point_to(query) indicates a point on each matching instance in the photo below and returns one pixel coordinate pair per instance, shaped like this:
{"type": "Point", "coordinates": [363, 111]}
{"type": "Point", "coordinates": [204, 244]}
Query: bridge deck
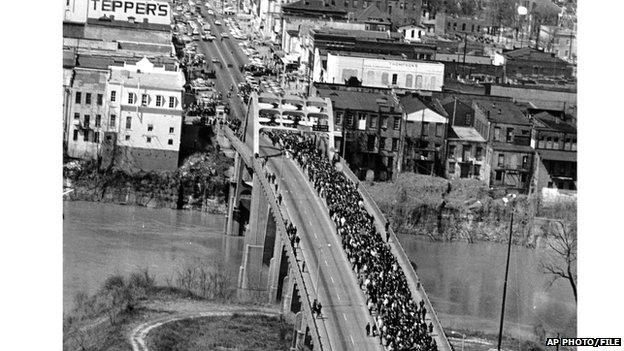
{"type": "Point", "coordinates": [345, 314]}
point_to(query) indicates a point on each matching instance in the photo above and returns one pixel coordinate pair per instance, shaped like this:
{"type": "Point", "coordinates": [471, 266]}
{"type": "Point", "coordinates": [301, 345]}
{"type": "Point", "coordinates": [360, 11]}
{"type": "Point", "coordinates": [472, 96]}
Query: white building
{"type": "Point", "coordinates": [413, 34]}
{"type": "Point", "coordinates": [382, 71]}
{"type": "Point", "coordinates": [145, 116]}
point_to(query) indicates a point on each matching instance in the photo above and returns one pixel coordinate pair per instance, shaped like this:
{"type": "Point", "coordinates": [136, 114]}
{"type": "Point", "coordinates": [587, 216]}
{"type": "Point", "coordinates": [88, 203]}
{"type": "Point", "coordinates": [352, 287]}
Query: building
{"type": "Point", "coordinates": [413, 33]}
{"type": "Point", "coordinates": [530, 62]}
{"type": "Point", "coordinates": [373, 19]}
{"type": "Point", "coordinates": [377, 70]}
{"type": "Point", "coordinates": [509, 144]}
{"type": "Point", "coordinates": [88, 113]}
{"type": "Point", "coordinates": [424, 134]}
{"type": "Point", "coordinates": [369, 123]}
{"type": "Point", "coordinates": [447, 24]}
{"type": "Point", "coordinates": [554, 141]}
{"type": "Point", "coordinates": [467, 151]}
{"type": "Point", "coordinates": [75, 11]}
{"type": "Point", "coordinates": [400, 12]}
{"type": "Point", "coordinates": [145, 116]}
{"type": "Point", "coordinates": [558, 40]}
{"type": "Point", "coordinates": [553, 99]}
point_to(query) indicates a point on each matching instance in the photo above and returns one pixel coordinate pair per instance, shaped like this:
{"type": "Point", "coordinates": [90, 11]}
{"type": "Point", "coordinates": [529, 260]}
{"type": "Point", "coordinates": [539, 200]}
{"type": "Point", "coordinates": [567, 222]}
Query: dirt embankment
{"type": "Point", "coordinates": [461, 210]}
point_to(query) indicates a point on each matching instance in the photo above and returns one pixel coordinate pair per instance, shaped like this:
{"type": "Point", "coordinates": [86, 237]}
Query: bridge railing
{"type": "Point", "coordinates": [398, 252]}
{"type": "Point", "coordinates": [245, 153]}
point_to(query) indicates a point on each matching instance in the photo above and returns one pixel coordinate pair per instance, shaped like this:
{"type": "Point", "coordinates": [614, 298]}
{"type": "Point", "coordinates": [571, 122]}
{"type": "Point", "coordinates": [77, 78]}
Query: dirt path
{"type": "Point", "coordinates": [171, 311]}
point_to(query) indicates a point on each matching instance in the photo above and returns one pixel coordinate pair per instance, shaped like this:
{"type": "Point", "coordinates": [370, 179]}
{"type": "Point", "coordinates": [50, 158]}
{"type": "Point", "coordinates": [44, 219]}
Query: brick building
{"type": "Point", "coordinates": [530, 62]}
{"type": "Point", "coordinates": [369, 121]}
{"type": "Point", "coordinates": [509, 153]}
{"type": "Point", "coordinates": [555, 144]}
{"type": "Point", "coordinates": [466, 155]}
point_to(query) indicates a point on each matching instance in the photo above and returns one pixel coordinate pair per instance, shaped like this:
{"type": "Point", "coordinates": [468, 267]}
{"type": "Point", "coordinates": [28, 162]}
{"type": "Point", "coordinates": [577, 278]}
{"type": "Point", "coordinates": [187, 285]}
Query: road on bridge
{"type": "Point", "coordinates": [344, 309]}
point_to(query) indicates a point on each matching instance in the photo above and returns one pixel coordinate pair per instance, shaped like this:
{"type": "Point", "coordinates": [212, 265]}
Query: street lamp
{"type": "Point", "coordinates": [506, 200]}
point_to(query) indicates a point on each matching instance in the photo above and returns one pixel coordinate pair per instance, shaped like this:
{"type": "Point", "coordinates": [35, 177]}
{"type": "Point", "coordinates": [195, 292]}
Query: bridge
{"type": "Point", "coordinates": [274, 268]}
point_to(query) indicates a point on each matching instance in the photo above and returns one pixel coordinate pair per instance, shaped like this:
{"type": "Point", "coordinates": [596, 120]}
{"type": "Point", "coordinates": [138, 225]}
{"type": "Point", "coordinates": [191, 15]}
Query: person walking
{"type": "Point", "coordinates": [320, 307]}
{"type": "Point", "coordinates": [314, 307]}
{"type": "Point", "coordinates": [368, 327]}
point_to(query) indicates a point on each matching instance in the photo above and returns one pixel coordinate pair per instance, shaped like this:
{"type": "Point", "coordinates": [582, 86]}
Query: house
{"type": "Point", "coordinates": [413, 33]}
{"type": "Point", "coordinates": [87, 113]}
{"type": "Point", "coordinates": [555, 143]}
{"type": "Point", "coordinates": [369, 123]}
{"type": "Point", "coordinates": [509, 152]}
{"type": "Point", "coordinates": [558, 40]}
{"type": "Point", "coordinates": [424, 134]}
{"type": "Point", "coordinates": [466, 155]}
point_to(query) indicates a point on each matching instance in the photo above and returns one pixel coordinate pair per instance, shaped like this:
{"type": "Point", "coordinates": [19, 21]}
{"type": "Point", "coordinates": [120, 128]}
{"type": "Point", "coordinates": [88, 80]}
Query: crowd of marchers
{"type": "Point", "coordinates": [398, 320]}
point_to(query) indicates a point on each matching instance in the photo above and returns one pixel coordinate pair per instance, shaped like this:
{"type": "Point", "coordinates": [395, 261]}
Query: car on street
{"type": "Point", "coordinates": [211, 13]}
{"type": "Point", "coordinates": [218, 23]}
{"type": "Point", "coordinates": [230, 65]}
{"type": "Point", "coordinates": [216, 60]}
{"type": "Point", "coordinates": [224, 35]}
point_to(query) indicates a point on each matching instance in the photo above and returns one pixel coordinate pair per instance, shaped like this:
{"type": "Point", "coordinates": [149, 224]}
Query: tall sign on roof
{"type": "Point", "coordinates": [152, 11]}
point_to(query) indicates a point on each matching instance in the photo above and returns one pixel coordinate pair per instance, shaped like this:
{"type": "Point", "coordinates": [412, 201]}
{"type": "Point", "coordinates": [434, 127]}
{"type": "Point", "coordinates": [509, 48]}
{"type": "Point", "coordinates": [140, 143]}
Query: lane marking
{"type": "Point", "coordinates": [350, 337]}
{"type": "Point", "coordinates": [332, 279]}
{"type": "Point", "coordinates": [338, 296]}
{"type": "Point", "coordinates": [325, 262]}
{"type": "Point", "coordinates": [344, 316]}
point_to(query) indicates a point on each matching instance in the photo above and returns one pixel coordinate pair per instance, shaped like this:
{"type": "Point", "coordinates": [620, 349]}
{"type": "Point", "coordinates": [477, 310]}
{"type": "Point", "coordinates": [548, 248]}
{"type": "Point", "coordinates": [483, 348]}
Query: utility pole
{"type": "Point", "coordinates": [500, 329]}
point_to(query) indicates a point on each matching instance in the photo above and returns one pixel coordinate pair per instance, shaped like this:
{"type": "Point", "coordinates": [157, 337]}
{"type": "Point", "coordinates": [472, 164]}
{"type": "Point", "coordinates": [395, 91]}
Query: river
{"type": "Point", "coordinates": [101, 239]}
{"type": "Point", "coordinates": [464, 281]}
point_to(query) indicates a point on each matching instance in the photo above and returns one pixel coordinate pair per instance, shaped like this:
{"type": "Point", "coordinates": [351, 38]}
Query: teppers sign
{"type": "Point", "coordinates": [155, 11]}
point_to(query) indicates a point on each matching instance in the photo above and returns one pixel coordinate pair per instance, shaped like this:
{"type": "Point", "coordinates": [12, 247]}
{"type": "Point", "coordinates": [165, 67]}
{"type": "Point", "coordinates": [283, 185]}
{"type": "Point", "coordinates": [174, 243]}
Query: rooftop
{"type": "Point", "coordinates": [356, 100]}
{"type": "Point", "coordinates": [358, 34]}
{"type": "Point", "coordinates": [146, 74]}
{"type": "Point", "coordinates": [501, 111]}
{"type": "Point", "coordinates": [466, 134]}
{"type": "Point", "coordinates": [324, 52]}
{"type": "Point", "coordinates": [411, 102]}
{"type": "Point", "coordinates": [129, 25]}
{"type": "Point", "coordinates": [372, 13]}
{"type": "Point", "coordinates": [546, 121]}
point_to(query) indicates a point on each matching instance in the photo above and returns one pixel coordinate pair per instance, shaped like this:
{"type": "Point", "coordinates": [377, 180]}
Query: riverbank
{"type": "Point", "coordinates": [463, 210]}
{"type": "Point", "coordinates": [127, 308]}
{"type": "Point", "coordinates": [200, 184]}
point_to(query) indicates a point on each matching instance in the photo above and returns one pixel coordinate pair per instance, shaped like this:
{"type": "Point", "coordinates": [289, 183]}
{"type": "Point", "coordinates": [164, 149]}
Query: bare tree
{"type": "Point", "coordinates": [560, 261]}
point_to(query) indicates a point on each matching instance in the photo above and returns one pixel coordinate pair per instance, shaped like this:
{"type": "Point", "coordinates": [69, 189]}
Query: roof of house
{"type": "Point", "coordinates": [145, 74]}
{"type": "Point", "coordinates": [358, 100]}
{"type": "Point", "coordinates": [412, 105]}
{"type": "Point", "coordinates": [546, 121]}
{"type": "Point", "coordinates": [129, 25]}
{"type": "Point", "coordinates": [90, 79]}
{"type": "Point", "coordinates": [528, 53]}
{"type": "Point", "coordinates": [466, 134]}
{"type": "Point", "coordinates": [359, 34]}
{"type": "Point", "coordinates": [372, 13]}
{"type": "Point", "coordinates": [557, 155]}
{"type": "Point", "coordinates": [501, 111]}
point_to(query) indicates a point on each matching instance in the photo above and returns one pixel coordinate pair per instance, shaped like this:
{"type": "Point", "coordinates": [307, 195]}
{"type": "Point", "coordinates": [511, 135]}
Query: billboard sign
{"type": "Point", "coordinates": [154, 11]}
